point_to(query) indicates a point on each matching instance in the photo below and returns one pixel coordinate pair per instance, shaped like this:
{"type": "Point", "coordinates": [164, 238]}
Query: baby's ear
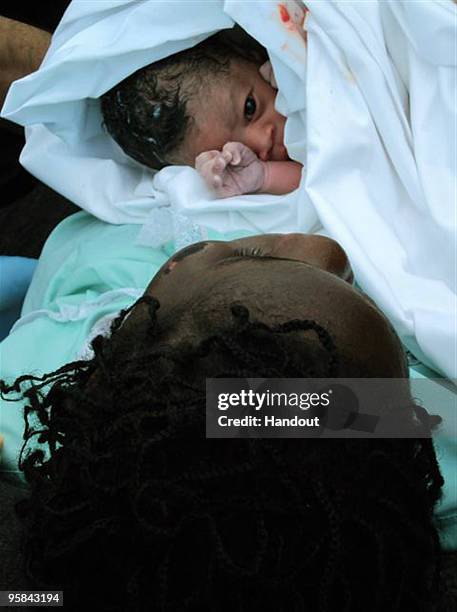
{"type": "Point", "coordinates": [266, 71]}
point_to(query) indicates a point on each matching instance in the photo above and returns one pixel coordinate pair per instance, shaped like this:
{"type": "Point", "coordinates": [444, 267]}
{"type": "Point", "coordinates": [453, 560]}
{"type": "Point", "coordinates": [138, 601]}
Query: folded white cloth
{"type": "Point", "coordinates": [379, 116]}
{"type": "Point", "coordinates": [371, 115]}
{"type": "Point", "coordinates": [382, 159]}
{"type": "Point", "coordinates": [95, 46]}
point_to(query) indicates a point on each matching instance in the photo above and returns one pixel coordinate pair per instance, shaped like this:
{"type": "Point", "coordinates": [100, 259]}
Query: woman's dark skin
{"type": "Point", "coordinates": [278, 278]}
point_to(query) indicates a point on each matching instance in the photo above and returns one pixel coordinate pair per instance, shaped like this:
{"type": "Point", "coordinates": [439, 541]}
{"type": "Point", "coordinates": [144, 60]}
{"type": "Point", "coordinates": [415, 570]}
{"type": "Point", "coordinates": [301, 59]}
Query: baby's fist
{"type": "Point", "coordinates": [233, 171]}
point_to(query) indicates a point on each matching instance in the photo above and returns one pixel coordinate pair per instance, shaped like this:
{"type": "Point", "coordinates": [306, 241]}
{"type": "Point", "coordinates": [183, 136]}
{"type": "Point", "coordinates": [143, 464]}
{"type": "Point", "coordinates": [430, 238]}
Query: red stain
{"type": "Point", "coordinates": [283, 13]}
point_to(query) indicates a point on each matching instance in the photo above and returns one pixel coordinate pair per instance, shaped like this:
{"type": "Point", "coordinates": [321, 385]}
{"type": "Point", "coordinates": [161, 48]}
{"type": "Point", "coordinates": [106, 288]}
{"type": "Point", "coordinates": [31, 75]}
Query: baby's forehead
{"type": "Point", "coordinates": [239, 72]}
{"type": "Point", "coordinates": [220, 92]}
{"type": "Point", "coordinates": [215, 99]}
{"type": "Point", "coordinates": [214, 109]}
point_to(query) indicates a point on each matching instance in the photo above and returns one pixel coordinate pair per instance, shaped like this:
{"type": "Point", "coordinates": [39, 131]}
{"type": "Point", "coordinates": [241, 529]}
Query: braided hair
{"type": "Point", "coordinates": [132, 508]}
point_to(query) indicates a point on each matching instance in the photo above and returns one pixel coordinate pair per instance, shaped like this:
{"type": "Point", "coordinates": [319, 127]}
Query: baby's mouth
{"type": "Point", "coordinates": [278, 152]}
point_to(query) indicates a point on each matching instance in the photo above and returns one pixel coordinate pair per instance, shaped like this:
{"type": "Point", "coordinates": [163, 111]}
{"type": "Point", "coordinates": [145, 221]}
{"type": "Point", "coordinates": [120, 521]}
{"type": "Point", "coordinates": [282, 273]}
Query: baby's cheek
{"type": "Point", "coordinates": [185, 155]}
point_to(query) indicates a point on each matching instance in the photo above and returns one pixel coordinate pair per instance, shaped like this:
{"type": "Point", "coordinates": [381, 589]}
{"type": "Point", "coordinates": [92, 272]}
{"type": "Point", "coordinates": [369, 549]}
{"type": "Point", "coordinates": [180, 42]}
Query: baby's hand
{"type": "Point", "coordinates": [233, 171]}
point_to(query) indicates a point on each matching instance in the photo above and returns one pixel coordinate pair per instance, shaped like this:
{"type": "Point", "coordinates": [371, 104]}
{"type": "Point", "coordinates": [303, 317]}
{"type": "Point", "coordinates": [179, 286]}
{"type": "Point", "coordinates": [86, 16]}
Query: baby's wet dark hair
{"type": "Point", "coordinates": [132, 508]}
{"type": "Point", "coordinates": [146, 113]}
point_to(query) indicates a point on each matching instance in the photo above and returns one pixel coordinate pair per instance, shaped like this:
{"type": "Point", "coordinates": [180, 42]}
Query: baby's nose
{"type": "Point", "coordinates": [261, 138]}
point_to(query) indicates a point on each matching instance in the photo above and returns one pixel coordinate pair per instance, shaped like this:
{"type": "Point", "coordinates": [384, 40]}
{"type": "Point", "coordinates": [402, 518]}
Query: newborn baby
{"type": "Point", "coordinates": [257, 162]}
{"type": "Point", "coordinates": [208, 107]}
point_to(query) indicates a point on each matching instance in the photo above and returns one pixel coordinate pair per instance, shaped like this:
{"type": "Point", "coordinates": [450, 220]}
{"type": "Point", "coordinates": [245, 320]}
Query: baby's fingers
{"type": "Point", "coordinates": [234, 151]}
{"type": "Point", "coordinates": [211, 168]}
{"type": "Point", "coordinates": [204, 158]}
{"type": "Point", "coordinates": [216, 181]}
{"type": "Point", "coordinates": [220, 163]}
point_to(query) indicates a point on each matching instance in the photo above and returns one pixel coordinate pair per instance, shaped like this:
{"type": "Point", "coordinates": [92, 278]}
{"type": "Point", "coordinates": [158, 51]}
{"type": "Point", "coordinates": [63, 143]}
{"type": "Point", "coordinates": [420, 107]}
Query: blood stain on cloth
{"type": "Point", "coordinates": [283, 13]}
{"type": "Point", "coordinates": [292, 16]}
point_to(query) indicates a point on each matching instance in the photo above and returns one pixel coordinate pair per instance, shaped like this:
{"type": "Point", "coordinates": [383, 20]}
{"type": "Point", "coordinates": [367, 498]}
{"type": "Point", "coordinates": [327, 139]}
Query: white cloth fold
{"type": "Point", "coordinates": [381, 158]}
{"type": "Point", "coordinates": [371, 114]}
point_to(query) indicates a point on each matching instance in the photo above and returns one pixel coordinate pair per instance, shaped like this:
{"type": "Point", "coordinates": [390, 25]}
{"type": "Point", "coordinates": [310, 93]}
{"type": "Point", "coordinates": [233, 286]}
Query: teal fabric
{"type": "Point", "coordinates": [85, 262]}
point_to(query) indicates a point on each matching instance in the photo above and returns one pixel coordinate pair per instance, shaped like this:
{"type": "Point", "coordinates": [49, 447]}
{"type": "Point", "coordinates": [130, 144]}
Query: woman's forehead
{"type": "Point", "coordinates": [269, 284]}
{"type": "Point", "coordinates": [196, 296]}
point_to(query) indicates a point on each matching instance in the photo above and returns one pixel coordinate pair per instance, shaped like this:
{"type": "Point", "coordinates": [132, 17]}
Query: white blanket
{"type": "Point", "coordinates": [371, 115]}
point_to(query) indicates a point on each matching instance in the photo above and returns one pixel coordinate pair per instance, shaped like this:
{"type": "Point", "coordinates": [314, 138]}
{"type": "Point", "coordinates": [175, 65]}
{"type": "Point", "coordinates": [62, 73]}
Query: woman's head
{"type": "Point", "coordinates": [278, 278]}
{"type": "Point", "coordinates": [131, 493]}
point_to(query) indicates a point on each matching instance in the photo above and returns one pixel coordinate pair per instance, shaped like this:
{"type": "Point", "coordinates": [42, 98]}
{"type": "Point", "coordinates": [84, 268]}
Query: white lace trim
{"type": "Point", "coordinates": [101, 328]}
{"type": "Point", "coordinates": [76, 312]}
{"type": "Point", "coordinates": [165, 224]}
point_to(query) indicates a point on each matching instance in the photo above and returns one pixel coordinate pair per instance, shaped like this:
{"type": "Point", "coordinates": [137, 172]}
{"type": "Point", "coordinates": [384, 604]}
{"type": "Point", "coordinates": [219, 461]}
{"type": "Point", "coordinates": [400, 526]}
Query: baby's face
{"type": "Point", "coordinates": [238, 107]}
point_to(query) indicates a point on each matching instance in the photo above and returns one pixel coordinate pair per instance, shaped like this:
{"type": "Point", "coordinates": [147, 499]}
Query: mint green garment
{"type": "Point", "coordinates": [89, 270]}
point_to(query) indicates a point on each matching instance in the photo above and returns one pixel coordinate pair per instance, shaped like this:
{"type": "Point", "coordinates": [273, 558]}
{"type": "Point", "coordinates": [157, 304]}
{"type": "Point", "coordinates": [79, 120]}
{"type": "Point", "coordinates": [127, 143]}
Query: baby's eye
{"type": "Point", "coordinates": [250, 107]}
